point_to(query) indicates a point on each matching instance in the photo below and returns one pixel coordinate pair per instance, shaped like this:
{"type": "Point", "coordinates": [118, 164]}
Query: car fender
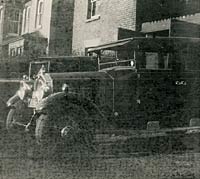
{"type": "Point", "coordinates": [12, 101]}
{"type": "Point", "coordinates": [55, 103]}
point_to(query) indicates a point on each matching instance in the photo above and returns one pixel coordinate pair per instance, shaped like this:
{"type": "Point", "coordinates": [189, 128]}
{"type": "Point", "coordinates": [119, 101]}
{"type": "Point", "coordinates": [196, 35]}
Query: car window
{"type": "Point", "coordinates": [153, 60]}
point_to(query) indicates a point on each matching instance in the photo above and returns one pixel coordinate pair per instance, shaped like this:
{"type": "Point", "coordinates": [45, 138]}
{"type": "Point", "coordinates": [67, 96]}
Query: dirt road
{"type": "Point", "coordinates": [17, 163]}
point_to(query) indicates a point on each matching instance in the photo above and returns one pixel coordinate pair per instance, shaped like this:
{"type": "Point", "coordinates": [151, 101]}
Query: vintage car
{"type": "Point", "coordinates": [142, 84]}
{"type": "Point", "coordinates": [43, 83]}
{"type": "Point", "coordinates": [31, 90]}
{"type": "Point", "coordinates": [145, 84]}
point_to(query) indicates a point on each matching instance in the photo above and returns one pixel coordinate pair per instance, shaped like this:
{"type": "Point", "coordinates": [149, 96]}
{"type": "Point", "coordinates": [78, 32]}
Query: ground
{"type": "Point", "coordinates": [17, 163]}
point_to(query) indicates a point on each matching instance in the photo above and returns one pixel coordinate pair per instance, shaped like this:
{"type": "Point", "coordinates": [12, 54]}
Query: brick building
{"type": "Point", "coordinates": [44, 28]}
{"type": "Point", "coordinates": [170, 18]}
{"type": "Point", "coordinates": [65, 27]}
{"type": "Point", "coordinates": [101, 21]}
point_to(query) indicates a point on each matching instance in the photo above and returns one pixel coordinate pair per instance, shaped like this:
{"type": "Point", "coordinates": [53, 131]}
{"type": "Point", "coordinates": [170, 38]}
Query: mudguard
{"type": "Point", "coordinates": [12, 101]}
{"type": "Point", "coordinates": [55, 104]}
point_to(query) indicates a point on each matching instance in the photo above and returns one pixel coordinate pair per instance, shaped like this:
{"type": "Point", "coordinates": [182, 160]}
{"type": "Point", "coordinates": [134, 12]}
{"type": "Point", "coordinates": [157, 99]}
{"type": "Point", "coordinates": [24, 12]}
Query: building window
{"type": "Point", "coordinates": [39, 13]}
{"type": "Point", "coordinates": [26, 19]}
{"type": "Point", "coordinates": [16, 51]}
{"type": "Point", "coordinates": [14, 22]}
{"type": "Point", "coordinates": [19, 50]}
{"type": "Point", "coordinates": [92, 7]}
{"type": "Point", "coordinates": [12, 52]}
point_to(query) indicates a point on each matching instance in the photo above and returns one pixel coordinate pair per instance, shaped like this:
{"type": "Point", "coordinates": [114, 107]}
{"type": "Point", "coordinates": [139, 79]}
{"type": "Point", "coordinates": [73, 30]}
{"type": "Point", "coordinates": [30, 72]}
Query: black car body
{"type": "Point", "coordinates": [156, 81]}
{"type": "Point", "coordinates": [141, 84]}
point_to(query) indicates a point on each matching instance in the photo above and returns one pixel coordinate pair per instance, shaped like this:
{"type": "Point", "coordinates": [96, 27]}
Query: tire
{"type": "Point", "coordinates": [10, 119]}
{"type": "Point", "coordinates": [44, 131]}
{"type": "Point", "coordinates": [21, 113]}
{"type": "Point", "coordinates": [49, 128]}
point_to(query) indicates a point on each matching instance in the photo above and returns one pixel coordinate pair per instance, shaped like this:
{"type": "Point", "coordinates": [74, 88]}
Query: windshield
{"type": "Point", "coordinates": [35, 67]}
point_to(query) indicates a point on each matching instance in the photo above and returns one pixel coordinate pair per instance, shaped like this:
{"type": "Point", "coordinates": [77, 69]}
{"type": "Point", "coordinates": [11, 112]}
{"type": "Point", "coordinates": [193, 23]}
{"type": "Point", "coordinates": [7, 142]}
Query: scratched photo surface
{"type": "Point", "coordinates": [94, 89]}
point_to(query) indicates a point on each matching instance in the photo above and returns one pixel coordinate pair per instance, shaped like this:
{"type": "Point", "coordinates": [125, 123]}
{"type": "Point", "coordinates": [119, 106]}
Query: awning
{"type": "Point", "coordinates": [156, 26]}
{"type": "Point", "coordinates": [110, 46]}
{"type": "Point", "coordinates": [36, 36]}
{"type": "Point", "coordinates": [165, 24]}
{"type": "Point", "coordinates": [148, 44]}
{"type": "Point", "coordinates": [12, 40]}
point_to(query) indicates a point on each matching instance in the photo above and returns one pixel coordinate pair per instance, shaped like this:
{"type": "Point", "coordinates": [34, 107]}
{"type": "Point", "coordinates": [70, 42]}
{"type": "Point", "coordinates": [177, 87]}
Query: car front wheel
{"type": "Point", "coordinates": [68, 130]}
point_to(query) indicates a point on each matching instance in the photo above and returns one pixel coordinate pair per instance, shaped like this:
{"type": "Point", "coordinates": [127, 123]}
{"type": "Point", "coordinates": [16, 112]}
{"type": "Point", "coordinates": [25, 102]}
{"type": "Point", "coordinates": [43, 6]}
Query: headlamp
{"type": "Point", "coordinates": [65, 87]}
